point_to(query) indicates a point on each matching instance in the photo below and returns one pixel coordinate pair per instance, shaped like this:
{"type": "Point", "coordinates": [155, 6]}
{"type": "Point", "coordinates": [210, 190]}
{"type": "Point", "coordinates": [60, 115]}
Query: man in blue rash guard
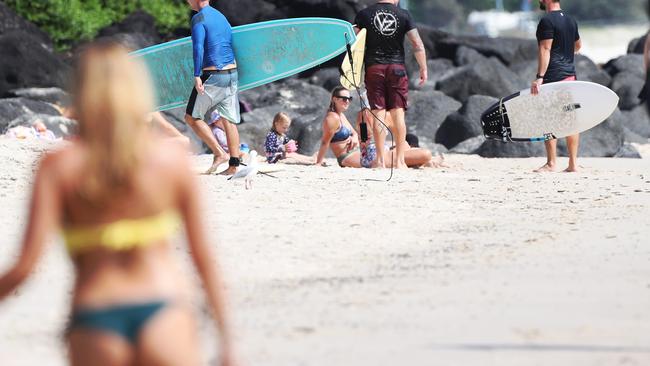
{"type": "Point", "coordinates": [215, 82]}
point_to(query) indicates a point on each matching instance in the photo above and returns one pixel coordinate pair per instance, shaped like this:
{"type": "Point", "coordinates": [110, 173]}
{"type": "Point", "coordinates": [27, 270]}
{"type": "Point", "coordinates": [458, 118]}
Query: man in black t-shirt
{"type": "Point", "coordinates": [559, 41]}
{"type": "Point", "coordinates": [386, 81]}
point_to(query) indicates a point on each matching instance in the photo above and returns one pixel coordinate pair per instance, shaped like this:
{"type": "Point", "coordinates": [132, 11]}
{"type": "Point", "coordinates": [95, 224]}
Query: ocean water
{"type": "Point", "coordinates": [602, 43]}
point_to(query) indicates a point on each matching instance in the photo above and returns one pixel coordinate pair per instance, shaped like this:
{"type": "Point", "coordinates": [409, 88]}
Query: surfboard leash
{"type": "Point", "coordinates": [357, 87]}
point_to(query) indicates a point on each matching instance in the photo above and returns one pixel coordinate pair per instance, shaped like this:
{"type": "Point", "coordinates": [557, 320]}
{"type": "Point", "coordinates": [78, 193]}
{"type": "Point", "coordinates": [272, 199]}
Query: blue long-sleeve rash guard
{"type": "Point", "coordinates": [211, 40]}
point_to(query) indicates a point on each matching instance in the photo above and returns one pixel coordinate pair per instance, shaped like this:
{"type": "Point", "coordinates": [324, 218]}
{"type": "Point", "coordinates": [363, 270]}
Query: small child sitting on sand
{"type": "Point", "coordinates": [278, 146]}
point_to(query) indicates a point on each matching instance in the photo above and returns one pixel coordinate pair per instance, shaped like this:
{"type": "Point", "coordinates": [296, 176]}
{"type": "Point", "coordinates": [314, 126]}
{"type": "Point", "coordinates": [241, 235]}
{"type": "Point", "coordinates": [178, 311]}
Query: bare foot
{"type": "Point", "coordinates": [216, 161]}
{"type": "Point", "coordinates": [437, 162]}
{"type": "Point", "coordinates": [546, 168]}
{"type": "Point", "coordinates": [571, 169]}
{"type": "Point", "coordinates": [401, 165]}
{"type": "Point", "coordinates": [230, 171]}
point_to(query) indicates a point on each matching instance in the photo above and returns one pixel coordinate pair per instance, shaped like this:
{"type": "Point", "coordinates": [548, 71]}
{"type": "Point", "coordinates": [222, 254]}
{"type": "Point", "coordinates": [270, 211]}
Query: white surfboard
{"type": "Point", "coordinates": [560, 109]}
{"type": "Point", "coordinates": [352, 72]}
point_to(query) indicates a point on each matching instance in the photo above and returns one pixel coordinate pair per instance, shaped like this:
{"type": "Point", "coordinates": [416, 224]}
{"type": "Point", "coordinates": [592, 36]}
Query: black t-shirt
{"type": "Point", "coordinates": [563, 30]}
{"type": "Point", "coordinates": [386, 25]}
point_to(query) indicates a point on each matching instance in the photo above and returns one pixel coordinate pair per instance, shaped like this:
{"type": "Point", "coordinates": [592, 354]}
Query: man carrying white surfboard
{"type": "Point", "coordinates": [558, 40]}
{"type": "Point", "coordinates": [216, 82]}
{"type": "Point", "coordinates": [386, 81]}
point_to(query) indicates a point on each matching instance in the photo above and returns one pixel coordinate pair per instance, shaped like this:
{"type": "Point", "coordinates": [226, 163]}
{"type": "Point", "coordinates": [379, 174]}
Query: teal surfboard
{"type": "Point", "coordinates": [265, 52]}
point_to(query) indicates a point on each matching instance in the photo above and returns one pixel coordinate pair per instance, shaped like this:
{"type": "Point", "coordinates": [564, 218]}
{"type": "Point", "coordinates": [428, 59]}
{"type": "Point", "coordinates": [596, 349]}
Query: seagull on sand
{"type": "Point", "coordinates": [248, 172]}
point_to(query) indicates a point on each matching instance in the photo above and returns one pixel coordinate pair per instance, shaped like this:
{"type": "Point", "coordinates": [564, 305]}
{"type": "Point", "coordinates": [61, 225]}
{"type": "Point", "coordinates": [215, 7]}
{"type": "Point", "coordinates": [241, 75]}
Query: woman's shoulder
{"type": "Point", "coordinates": [63, 156]}
{"type": "Point", "coordinates": [332, 118]}
{"type": "Point", "coordinates": [62, 164]}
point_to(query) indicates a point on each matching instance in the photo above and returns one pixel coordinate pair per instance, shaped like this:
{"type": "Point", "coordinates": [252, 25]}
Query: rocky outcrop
{"type": "Point", "coordinates": [637, 120]}
{"type": "Point", "coordinates": [10, 21]}
{"type": "Point", "coordinates": [587, 70]}
{"type": "Point", "coordinates": [427, 111]}
{"type": "Point", "coordinates": [627, 86]}
{"type": "Point", "coordinates": [56, 96]}
{"type": "Point", "coordinates": [437, 69]}
{"type": "Point", "coordinates": [636, 45]}
{"type": "Point", "coordinates": [327, 78]}
{"type": "Point", "coordinates": [464, 124]}
{"type": "Point", "coordinates": [508, 50]}
{"type": "Point", "coordinates": [136, 31]}
{"type": "Point", "coordinates": [15, 109]}
{"type": "Point", "coordinates": [26, 62]}
{"type": "Point", "coordinates": [631, 63]}
{"type": "Point", "coordinates": [486, 77]}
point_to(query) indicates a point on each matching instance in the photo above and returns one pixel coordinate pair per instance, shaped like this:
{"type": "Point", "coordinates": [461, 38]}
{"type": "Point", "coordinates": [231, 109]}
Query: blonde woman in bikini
{"type": "Point", "coordinates": [117, 194]}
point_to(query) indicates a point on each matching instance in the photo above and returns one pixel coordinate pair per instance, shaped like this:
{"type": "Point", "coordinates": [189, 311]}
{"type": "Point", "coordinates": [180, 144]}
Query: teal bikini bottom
{"type": "Point", "coordinates": [344, 156]}
{"type": "Point", "coordinates": [125, 320]}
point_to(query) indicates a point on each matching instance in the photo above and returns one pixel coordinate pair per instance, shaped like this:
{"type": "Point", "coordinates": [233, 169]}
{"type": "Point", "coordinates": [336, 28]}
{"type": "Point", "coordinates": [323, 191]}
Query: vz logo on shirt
{"type": "Point", "coordinates": [385, 23]}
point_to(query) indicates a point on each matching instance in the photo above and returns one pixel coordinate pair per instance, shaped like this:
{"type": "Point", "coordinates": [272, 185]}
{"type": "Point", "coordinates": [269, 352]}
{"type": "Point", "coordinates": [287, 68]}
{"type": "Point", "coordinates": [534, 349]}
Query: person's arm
{"type": "Point", "coordinates": [578, 41]}
{"type": "Point", "coordinates": [420, 54]}
{"type": "Point", "coordinates": [44, 218]}
{"type": "Point", "coordinates": [355, 24]}
{"type": "Point", "coordinates": [189, 203]}
{"type": "Point", "coordinates": [198, 41]}
{"type": "Point", "coordinates": [577, 46]}
{"type": "Point", "coordinates": [544, 58]}
{"type": "Point", "coordinates": [168, 130]}
{"type": "Point", "coordinates": [544, 34]}
{"type": "Point", "coordinates": [354, 137]}
{"type": "Point", "coordinates": [329, 129]}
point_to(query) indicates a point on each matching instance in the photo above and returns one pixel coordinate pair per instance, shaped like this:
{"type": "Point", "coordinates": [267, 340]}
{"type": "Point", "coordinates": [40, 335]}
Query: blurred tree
{"type": "Point", "coordinates": [71, 21]}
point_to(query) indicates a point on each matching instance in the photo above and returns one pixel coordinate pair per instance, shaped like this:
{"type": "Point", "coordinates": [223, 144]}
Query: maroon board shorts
{"type": "Point", "coordinates": [388, 86]}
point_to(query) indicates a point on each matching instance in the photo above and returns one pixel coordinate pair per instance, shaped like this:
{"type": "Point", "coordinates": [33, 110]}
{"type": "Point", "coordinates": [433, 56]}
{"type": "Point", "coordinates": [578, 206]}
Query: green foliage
{"type": "Point", "coordinates": [70, 21]}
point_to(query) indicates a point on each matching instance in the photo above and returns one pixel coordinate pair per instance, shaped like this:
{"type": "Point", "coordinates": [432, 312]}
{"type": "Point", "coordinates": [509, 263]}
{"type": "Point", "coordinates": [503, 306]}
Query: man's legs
{"type": "Point", "coordinates": [551, 150]}
{"type": "Point", "coordinates": [202, 130]}
{"type": "Point", "coordinates": [551, 157]}
{"type": "Point", "coordinates": [379, 135]}
{"type": "Point", "coordinates": [232, 136]}
{"type": "Point", "coordinates": [399, 129]}
{"type": "Point", "coordinates": [572, 143]}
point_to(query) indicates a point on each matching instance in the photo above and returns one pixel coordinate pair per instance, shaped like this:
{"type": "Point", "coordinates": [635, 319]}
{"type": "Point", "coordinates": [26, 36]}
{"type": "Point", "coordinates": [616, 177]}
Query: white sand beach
{"type": "Point", "coordinates": [485, 263]}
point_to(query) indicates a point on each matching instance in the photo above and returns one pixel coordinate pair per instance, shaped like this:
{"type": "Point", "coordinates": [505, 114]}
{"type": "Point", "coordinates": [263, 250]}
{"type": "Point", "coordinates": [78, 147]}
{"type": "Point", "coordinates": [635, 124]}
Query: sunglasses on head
{"type": "Point", "coordinates": [344, 97]}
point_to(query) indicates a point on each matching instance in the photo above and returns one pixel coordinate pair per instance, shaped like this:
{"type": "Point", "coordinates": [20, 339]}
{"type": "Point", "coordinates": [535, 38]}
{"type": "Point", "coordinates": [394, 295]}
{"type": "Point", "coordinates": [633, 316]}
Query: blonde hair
{"type": "Point", "coordinates": [112, 99]}
{"type": "Point", "coordinates": [280, 117]}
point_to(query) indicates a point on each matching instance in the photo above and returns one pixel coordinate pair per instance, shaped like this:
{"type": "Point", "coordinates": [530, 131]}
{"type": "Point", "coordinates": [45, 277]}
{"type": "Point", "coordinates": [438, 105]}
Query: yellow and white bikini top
{"type": "Point", "coordinates": [123, 234]}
